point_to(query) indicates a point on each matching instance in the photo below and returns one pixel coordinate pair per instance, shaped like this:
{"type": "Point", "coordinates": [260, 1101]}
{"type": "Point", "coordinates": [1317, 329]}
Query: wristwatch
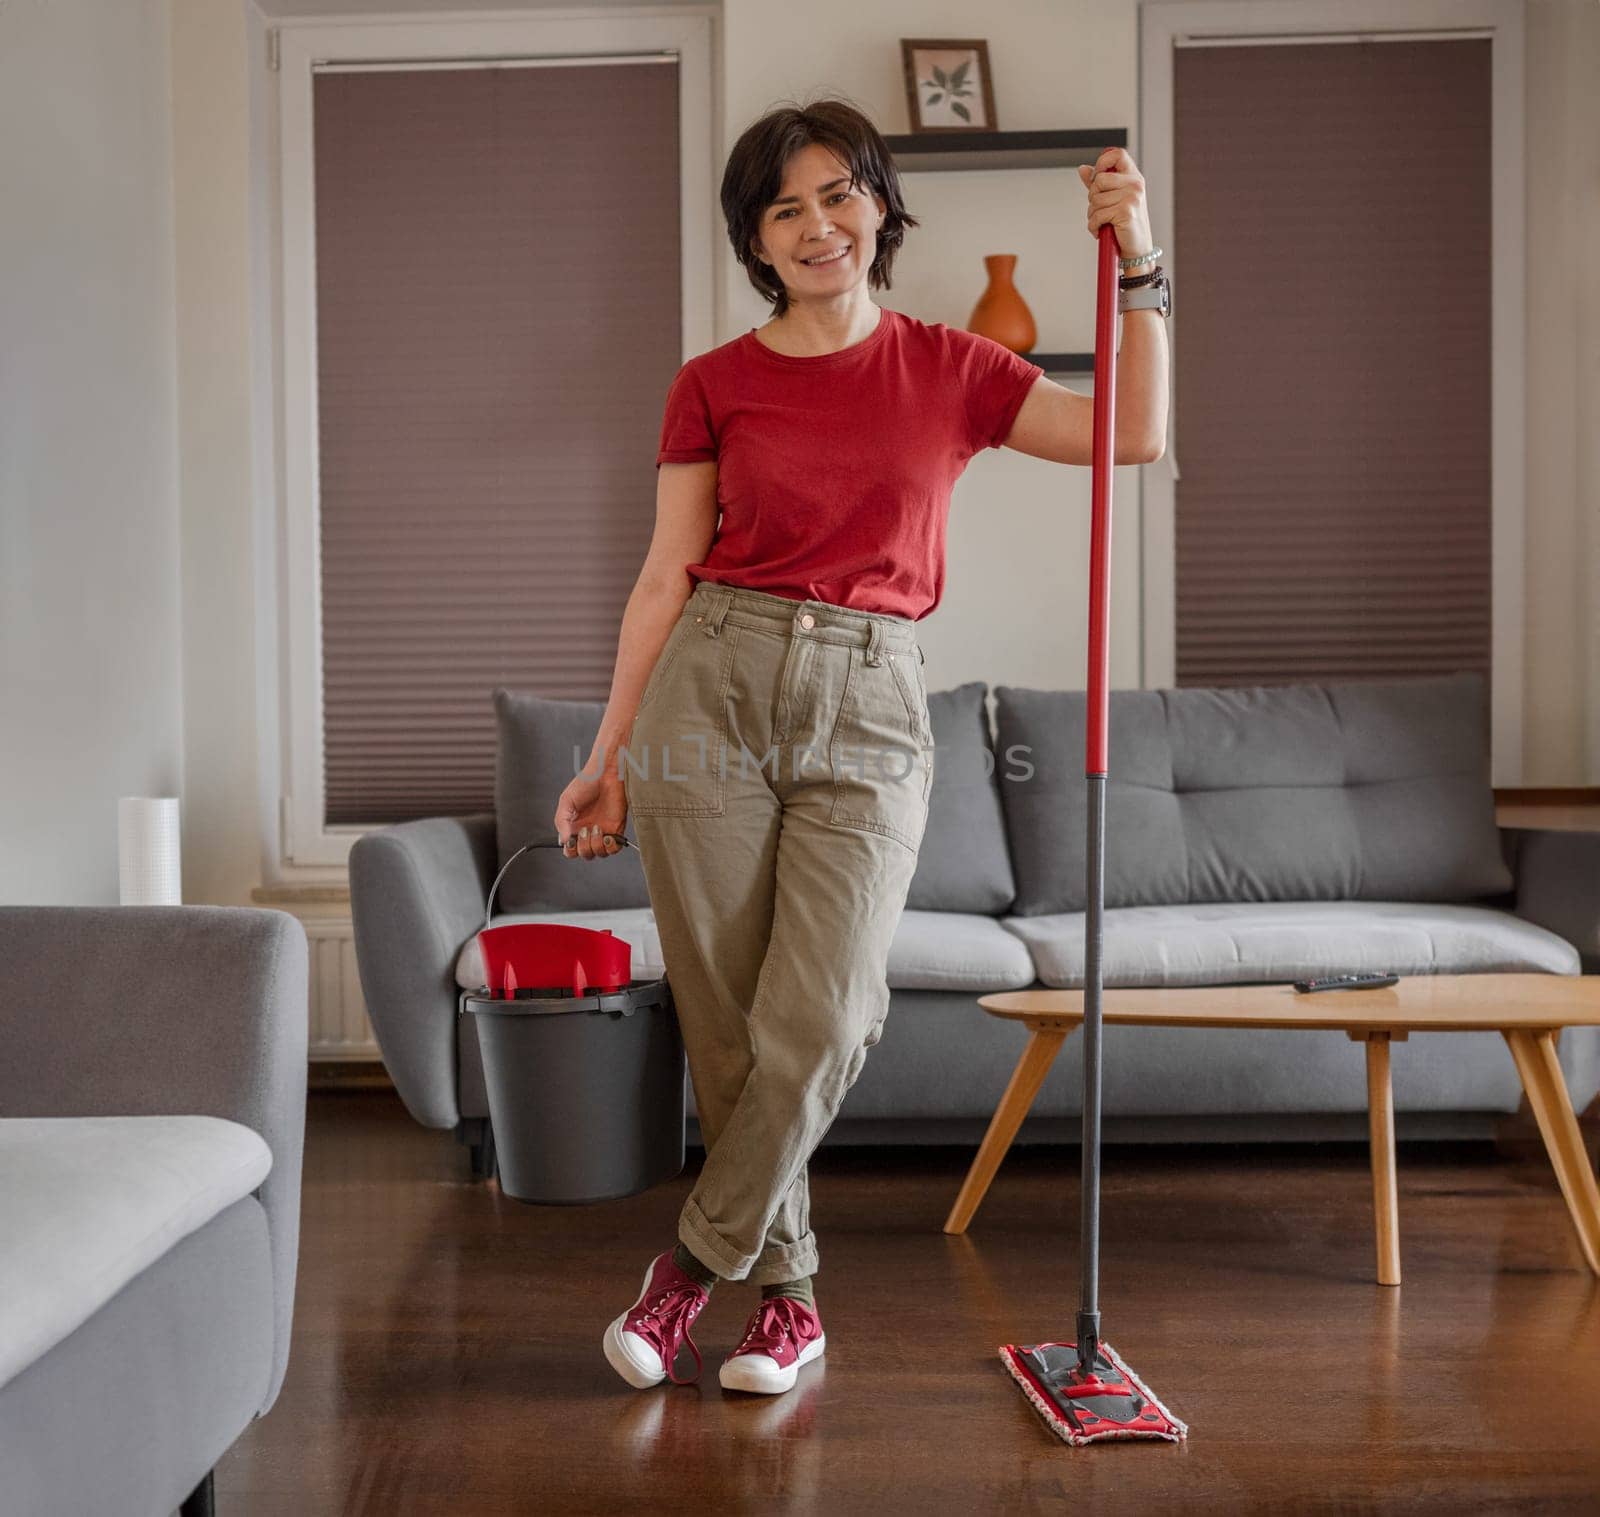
{"type": "Point", "coordinates": [1149, 292]}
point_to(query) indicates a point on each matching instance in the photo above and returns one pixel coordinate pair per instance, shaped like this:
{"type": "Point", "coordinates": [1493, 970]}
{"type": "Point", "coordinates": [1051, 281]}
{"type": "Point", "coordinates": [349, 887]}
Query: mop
{"type": "Point", "coordinates": [1083, 1390]}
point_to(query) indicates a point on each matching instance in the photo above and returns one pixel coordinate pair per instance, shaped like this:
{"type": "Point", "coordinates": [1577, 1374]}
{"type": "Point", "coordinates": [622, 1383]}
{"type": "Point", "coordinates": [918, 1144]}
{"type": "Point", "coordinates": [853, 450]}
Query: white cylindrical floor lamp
{"type": "Point", "coordinates": [149, 863]}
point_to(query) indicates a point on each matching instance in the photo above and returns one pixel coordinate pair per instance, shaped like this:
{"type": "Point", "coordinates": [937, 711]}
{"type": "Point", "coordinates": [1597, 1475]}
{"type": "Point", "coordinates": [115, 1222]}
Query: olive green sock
{"type": "Point", "coordinates": [693, 1268]}
{"type": "Point", "coordinates": [798, 1290]}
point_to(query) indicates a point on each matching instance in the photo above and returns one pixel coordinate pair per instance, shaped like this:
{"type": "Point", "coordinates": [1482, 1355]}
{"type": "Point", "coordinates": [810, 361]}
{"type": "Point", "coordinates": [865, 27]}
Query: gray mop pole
{"type": "Point", "coordinates": [1096, 768]}
{"type": "Point", "coordinates": [1089, 1219]}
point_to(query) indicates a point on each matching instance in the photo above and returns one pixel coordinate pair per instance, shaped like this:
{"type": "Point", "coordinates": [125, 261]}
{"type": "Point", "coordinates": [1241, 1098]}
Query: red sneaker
{"type": "Point", "coordinates": [783, 1334]}
{"type": "Point", "coordinates": [642, 1344]}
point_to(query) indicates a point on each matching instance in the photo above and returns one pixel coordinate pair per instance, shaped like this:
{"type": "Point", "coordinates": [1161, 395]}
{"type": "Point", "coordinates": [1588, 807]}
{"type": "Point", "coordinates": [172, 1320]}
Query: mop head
{"type": "Point", "coordinates": [1114, 1403]}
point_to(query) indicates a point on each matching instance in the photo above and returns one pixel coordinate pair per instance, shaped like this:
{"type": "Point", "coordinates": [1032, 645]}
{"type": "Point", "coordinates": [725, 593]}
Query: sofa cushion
{"type": "Point", "coordinates": [542, 745]}
{"type": "Point", "coordinates": [931, 950]}
{"type": "Point", "coordinates": [1372, 790]}
{"type": "Point", "coordinates": [90, 1202]}
{"type": "Point", "coordinates": [963, 864]}
{"type": "Point", "coordinates": [951, 950]}
{"type": "Point", "coordinates": [1277, 941]}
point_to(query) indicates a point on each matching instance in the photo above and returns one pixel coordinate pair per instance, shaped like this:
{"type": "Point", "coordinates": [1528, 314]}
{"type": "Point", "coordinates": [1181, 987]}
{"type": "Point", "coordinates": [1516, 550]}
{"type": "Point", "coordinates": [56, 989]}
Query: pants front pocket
{"type": "Point", "coordinates": [676, 759]}
{"type": "Point", "coordinates": [913, 687]}
{"type": "Point", "coordinates": [682, 629]}
{"type": "Point", "coordinates": [878, 754]}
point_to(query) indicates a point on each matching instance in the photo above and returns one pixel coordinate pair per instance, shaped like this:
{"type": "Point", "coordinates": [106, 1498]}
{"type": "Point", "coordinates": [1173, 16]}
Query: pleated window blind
{"type": "Point", "coordinates": [1332, 400]}
{"type": "Point", "coordinates": [498, 320]}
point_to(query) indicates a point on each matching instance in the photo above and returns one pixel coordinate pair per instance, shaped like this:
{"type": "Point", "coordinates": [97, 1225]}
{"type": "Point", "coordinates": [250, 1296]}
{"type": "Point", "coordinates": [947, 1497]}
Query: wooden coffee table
{"type": "Point", "coordinates": [1527, 1010]}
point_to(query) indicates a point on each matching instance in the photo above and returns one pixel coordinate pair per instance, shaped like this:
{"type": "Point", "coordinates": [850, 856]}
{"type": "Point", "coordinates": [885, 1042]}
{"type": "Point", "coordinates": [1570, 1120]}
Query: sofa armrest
{"type": "Point", "coordinates": [417, 891]}
{"type": "Point", "coordinates": [166, 1011]}
{"type": "Point", "coordinates": [1558, 885]}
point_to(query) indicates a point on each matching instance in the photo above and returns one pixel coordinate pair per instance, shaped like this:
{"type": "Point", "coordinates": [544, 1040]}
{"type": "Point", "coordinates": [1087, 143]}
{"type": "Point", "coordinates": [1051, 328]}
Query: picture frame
{"type": "Point", "coordinates": [948, 84]}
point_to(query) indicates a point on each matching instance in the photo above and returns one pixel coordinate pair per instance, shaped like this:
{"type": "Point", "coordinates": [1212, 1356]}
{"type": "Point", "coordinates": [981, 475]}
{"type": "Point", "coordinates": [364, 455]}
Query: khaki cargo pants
{"type": "Point", "coordinates": [778, 774]}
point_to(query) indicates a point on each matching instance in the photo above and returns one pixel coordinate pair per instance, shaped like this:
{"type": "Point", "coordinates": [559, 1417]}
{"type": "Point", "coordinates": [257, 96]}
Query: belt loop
{"type": "Point", "coordinates": [721, 601]}
{"type": "Point", "coordinates": [922, 658]}
{"type": "Point", "coordinates": [875, 644]}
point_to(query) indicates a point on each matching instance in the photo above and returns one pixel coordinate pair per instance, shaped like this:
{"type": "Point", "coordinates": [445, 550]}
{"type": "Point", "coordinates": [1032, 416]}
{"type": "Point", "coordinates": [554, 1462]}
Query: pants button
{"type": "Point", "coordinates": [808, 621]}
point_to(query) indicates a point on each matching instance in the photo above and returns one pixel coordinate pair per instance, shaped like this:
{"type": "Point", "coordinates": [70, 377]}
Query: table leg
{"type": "Point", "coordinates": [1540, 1069]}
{"type": "Point", "coordinates": [1044, 1043]}
{"type": "Point", "coordinates": [1380, 1130]}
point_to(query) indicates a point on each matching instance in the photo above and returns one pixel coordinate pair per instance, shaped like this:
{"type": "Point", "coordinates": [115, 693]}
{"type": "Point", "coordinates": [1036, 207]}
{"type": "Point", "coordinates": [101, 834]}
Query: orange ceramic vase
{"type": "Point", "coordinates": [1001, 313]}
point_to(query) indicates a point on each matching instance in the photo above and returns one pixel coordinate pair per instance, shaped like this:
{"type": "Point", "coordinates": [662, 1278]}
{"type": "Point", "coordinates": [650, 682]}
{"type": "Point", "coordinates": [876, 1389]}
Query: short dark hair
{"type": "Point", "coordinates": [753, 179]}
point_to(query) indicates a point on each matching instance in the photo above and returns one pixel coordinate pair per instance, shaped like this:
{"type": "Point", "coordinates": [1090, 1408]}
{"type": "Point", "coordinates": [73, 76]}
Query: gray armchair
{"type": "Point", "coordinates": [417, 893]}
{"type": "Point", "coordinates": [175, 1017]}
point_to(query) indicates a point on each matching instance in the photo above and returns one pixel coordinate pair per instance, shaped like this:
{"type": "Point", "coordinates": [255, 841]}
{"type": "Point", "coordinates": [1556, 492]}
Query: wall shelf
{"type": "Point", "coordinates": [930, 151]}
{"type": "Point", "coordinates": [926, 152]}
{"type": "Point", "coordinates": [1062, 363]}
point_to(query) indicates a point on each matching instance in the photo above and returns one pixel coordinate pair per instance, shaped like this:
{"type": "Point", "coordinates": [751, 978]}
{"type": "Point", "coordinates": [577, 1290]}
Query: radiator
{"type": "Point", "coordinates": [339, 1026]}
{"type": "Point", "coordinates": [339, 1031]}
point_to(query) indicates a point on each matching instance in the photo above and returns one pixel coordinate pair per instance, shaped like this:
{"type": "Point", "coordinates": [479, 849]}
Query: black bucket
{"type": "Point", "coordinates": [586, 1093]}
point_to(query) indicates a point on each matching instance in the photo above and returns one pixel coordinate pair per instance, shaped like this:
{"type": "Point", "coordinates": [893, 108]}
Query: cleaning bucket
{"type": "Point", "coordinates": [584, 1065]}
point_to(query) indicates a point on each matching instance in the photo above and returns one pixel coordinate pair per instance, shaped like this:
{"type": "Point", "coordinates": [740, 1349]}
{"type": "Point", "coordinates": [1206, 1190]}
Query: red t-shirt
{"type": "Point", "coordinates": [834, 472]}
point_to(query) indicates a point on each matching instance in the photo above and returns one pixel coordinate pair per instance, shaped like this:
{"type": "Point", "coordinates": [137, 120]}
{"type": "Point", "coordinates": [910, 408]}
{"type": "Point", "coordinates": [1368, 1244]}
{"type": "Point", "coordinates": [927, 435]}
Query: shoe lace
{"type": "Point", "coordinates": [665, 1322]}
{"type": "Point", "coordinates": [776, 1319]}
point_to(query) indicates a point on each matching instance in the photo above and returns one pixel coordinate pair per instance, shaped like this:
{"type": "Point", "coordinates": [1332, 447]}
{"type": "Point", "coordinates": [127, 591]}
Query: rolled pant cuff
{"type": "Point", "coordinates": [791, 1264]}
{"type": "Point", "coordinates": [706, 1244]}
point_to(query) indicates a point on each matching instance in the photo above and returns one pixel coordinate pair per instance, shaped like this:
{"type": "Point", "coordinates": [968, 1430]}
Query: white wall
{"type": "Point", "coordinates": [90, 648]}
{"type": "Point", "coordinates": [223, 582]}
{"type": "Point", "coordinates": [102, 697]}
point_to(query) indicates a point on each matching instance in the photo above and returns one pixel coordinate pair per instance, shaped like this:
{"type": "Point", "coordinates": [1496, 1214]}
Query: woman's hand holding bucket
{"type": "Point", "coordinates": [590, 816]}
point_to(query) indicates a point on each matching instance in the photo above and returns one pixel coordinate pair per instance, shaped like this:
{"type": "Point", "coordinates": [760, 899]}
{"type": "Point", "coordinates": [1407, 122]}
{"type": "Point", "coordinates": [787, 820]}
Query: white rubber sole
{"type": "Point", "coordinates": [623, 1350]}
{"type": "Point", "coordinates": [756, 1372]}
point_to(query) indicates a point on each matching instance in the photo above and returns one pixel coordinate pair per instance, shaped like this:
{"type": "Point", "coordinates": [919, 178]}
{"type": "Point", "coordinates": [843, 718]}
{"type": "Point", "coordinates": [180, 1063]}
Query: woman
{"type": "Point", "coordinates": [778, 758]}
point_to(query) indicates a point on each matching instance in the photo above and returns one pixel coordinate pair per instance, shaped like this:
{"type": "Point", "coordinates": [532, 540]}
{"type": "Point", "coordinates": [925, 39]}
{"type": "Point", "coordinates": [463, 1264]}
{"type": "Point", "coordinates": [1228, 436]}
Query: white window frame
{"type": "Point", "coordinates": [302, 849]}
{"type": "Point", "coordinates": [1161, 24]}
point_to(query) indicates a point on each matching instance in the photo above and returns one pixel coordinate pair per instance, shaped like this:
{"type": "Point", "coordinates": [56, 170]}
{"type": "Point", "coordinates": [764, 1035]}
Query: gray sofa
{"type": "Point", "coordinates": [1253, 834]}
{"type": "Point", "coordinates": [152, 1111]}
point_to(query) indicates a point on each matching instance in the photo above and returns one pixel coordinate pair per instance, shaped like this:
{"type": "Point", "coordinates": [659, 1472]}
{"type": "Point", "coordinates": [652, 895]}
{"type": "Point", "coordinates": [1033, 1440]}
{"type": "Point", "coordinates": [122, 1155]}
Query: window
{"type": "Point", "coordinates": [493, 268]}
{"type": "Point", "coordinates": [1342, 496]}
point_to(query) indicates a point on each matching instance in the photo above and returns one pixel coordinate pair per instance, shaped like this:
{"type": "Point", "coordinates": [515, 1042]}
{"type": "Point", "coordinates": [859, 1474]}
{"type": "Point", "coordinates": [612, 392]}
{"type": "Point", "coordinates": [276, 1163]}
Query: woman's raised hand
{"type": "Point", "coordinates": [1116, 195]}
{"type": "Point", "coordinates": [590, 807]}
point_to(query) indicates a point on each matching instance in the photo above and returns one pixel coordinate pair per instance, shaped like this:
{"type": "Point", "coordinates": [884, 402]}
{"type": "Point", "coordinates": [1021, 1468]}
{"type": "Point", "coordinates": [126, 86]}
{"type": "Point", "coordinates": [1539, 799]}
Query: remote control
{"type": "Point", "coordinates": [1347, 982]}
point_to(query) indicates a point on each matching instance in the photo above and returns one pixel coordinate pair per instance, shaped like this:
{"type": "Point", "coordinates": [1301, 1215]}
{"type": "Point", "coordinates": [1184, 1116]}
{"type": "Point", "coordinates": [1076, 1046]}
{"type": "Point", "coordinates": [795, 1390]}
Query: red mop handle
{"type": "Point", "coordinates": [1105, 431]}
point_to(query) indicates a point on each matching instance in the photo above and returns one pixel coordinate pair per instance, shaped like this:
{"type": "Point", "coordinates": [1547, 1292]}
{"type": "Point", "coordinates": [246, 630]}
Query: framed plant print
{"type": "Point", "coordinates": [948, 85]}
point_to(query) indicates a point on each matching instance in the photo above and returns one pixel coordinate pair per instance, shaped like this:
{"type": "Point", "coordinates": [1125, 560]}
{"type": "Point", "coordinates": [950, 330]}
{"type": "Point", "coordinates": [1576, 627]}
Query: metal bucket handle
{"type": "Point", "coordinates": [488, 911]}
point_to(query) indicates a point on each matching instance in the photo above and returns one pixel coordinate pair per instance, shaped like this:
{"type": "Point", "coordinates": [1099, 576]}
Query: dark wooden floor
{"type": "Point", "coordinates": [447, 1359]}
